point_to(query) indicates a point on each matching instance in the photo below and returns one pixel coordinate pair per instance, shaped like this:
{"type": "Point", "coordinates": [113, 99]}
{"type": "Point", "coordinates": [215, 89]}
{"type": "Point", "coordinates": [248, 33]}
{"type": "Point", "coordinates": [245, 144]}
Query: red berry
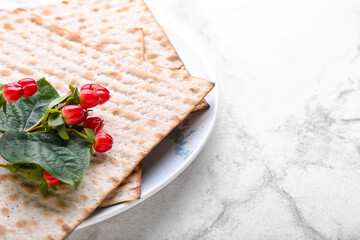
{"type": "Point", "coordinates": [86, 114]}
{"type": "Point", "coordinates": [29, 85]}
{"type": "Point", "coordinates": [73, 114]}
{"type": "Point", "coordinates": [89, 99]}
{"type": "Point", "coordinates": [103, 93]}
{"type": "Point", "coordinates": [103, 142]}
{"type": "Point", "coordinates": [94, 123]}
{"type": "Point", "coordinates": [12, 92]}
{"type": "Point", "coordinates": [89, 86]}
{"type": "Point", "coordinates": [50, 179]}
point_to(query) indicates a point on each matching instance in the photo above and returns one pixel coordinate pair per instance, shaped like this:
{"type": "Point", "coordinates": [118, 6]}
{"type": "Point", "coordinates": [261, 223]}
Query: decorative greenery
{"type": "Point", "coordinates": [36, 138]}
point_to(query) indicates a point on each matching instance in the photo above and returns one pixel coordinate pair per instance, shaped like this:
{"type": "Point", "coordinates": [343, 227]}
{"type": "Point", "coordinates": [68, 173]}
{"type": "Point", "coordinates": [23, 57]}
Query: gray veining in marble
{"type": "Point", "coordinates": [284, 159]}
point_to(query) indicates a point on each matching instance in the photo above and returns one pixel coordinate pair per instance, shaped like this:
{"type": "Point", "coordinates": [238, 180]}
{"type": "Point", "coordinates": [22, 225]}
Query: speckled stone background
{"type": "Point", "coordinates": [284, 159]}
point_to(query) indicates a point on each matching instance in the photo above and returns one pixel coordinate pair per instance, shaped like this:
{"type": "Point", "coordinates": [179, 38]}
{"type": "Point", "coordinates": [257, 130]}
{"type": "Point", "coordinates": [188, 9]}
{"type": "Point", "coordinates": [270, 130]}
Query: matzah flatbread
{"type": "Point", "coordinates": [92, 17]}
{"type": "Point", "coordinates": [147, 103]}
{"type": "Point", "coordinates": [128, 190]}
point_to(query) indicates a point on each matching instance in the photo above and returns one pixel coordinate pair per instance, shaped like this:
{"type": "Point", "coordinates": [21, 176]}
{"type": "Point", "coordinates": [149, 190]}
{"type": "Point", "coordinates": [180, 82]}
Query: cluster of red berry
{"type": "Point", "coordinates": [24, 88]}
{"type": "Point", "coordinates": [91, 95]}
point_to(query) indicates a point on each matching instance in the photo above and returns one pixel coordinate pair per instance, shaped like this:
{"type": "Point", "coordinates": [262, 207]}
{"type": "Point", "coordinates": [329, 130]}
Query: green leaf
{"type": "Point", "coordinates": [62, 132]}
{"type": "Point", "coordinates": [44, 188]}
{"type": "Point", "coordinates": [56, 119]}
{"type": "Point", "coordinates": [72, 101]}
{"type": "Point", "coordinates": [49, 110]}
{"type": "Point", "coordinates": [65, 160]}
{"type": "Point", "coordinates": [4, 109]}
{"type": "Point", "coordinates": [91, 135]}
{"type": "Point", "coordinates": [12, 168]}
{"type": "Point", "coordinates": [28, 111]}
{"type": "Point", "coordinates": [36, 174]}
{"type": "Point", "coordinates": [59, 100]}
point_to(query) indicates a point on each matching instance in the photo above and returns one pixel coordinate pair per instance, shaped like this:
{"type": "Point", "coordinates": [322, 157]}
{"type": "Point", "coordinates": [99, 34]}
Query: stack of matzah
{"type": "Point", "coordinates": [104, 42]}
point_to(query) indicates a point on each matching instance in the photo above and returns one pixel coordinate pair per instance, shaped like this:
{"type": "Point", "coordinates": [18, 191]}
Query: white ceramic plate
{"type": "Point", "coordinates": [183, 144]}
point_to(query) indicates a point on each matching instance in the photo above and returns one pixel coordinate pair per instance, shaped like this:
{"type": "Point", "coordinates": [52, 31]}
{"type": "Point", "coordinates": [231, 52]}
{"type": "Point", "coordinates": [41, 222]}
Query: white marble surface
{"type": "Point", "coordinates": [284, 159]}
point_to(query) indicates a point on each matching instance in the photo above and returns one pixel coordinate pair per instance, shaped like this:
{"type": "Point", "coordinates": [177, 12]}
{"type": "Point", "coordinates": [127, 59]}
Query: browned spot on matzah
{"type": "Point", "coordinates": [104, 20]}
{"type": "Point", "coordinates": [141, 74]}
{"type": "Point", "coordinates": [164, 43]}
{"type": "Point", "coordinates": [57, 29]}
{"type": "Point", "coordinates": [74, 36]}
{"type": "Point", "coordinates": [123, 9]}
{"type": "Point", "coordinates": [48, 196]}
{"type": "Point", "coordinates": [84, 197]}
{"type": "Point", "coordinates": [46, 12]}
{"type": "Point", "coordinates": [85, 212]}
{"type": "Point", "coordinates": [157, 37]}
{"type": "Point", "coordinates": [94, 67]}
{"type": "Point", "coordinates": [28, 225]}
{"type": "Point", "coordinates": [82, 19]}
{"type": "Point", "coordinates": [95, 9]}
{"type": "Point", "coordinates": [31, 189]}
{"type": "Point", "coordinates": [5, 210]}
{"type": "Point", "coordinates": [107, 6]}
{"type": "Point", "coordinates": [19, 20]}
{"type": "Point", "coordinates": [26, 203]}
{"type": "Point", "coordinates": [189, 101]}
{"type": "Point", "coordinates": [142, 141]}
{"type": "Point", "coordinates": [64, 226]}
{"type": "Point", "coordinates": [49, 237]}
{"type": "Point", "coordinates": [74, 81]}
{"type": "Point", "coordinates": [61, 74]}
{"type": "Point", "coordinates": [13, 197]}
{"type": "Point", "coordinates": [174, 74]}
{"type": "Point", "coordinates": [159, 135]}
{"type": "Point", "coordinates": [151, 121]}
{"type": "Point", "coordinates": [128, 102]}
{"type": "Point", "coordinates": [5, 72]}
{"type": "Point", "coordinates": [8, 26]}
{"type": "Point", "coordinates": [175, 118]}
{"type": "Point", "coordinates": [115, 75]}
{"type": "Point", "coordinates": [61, 205]}
{"type": "Point", "coordinates": [95, 55]}
{"type": "Point", "coordinates": [139, 55]}
{"type": "Point", "coordinates": [114, 179]}
{"type": "Point", "coordinates": [33, 61]}
{"type": "Point", "coordinates": [194, 89]}
{"type": "Point", "coordinates": [48, 215]}
{"type": "Point", "coordinates": [152, 56]}
{"type": "Point", "coordinates": [37, 20]}
{"type": "Point", "coordinates": [173, 58]}
{"type": "Point", "coordinates": [50, 71]}
{"type": "Point", "coordinates": [4, 231]}
{"type": "Point", "coordinates": [105, 40]}
{"type": "Point", "coordinates": [99, 47]}
{"type": "Point", "coordinates": [113, 160]}
{"type": "Point", "coordinates": [139, 129]}
{"type": "Point", "coordinates": [65, 44]}
{"type": "Point", "coordinates": [149, 87]}
{"type": "Point", "coordinates": [156, 69]}
{"type": "Point", "coordinates": [88, 75]}
{"type": "Point", "coordinates": [82, 50]}
{"type": "Point", "coordinates": [116, 110]}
